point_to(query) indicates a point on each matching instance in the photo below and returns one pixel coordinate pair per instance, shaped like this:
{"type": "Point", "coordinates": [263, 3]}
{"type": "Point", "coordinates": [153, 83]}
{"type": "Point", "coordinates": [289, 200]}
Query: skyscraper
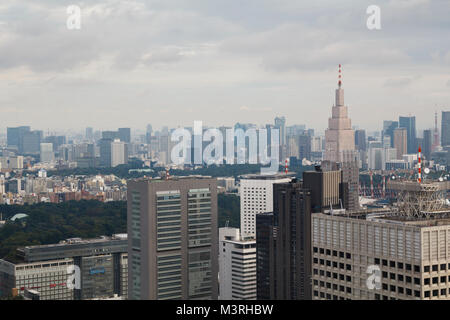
{"type": "Point", "coordinates": [401, 142]}
{"type": "Point", "coordinates": [284, 245]}
{"type": "Point", "coordinates": [388, 129]}
{"type": "Point", "coordinates": [360, 140]}
{"type": "Point", "coordinates": [445, 129]}
{"type": "Point", "coordinates": [89, 133]}
{"type": "Point", "coordinates": [124, 134]}
{"type": "Point", "coordinates": [172, 243]}
{"type": "Point", "coordinates": [46, 152]}
{"type": "Point", "coordinates": [237, 266]}
{"type": "Point", "coordinates": [409, 123]}
{"type": "Point", "coordinates": [280, 123]}
{"type": "Point", "coordinates": [340, 146]}
{"type": "Point", "coordinates": [256, 193]}
{"type": "Point", "coordinates": [427, 143]}
{"type": "Point", "coordinates": [339, 137]}
{"type": "Point", "coordinates": [14, 135]}
{"type": "Point", "coordinates": [265, 256]}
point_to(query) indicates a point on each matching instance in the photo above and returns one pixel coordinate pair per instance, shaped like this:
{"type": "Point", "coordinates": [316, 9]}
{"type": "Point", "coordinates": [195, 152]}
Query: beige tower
{"type": "Point", "coordinates": [340, 146]}
{"type": "Point", "coordinates": [339, 137]}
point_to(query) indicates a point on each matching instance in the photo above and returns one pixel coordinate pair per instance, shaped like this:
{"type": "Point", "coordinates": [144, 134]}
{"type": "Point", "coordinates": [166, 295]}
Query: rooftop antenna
{"type": "Point", "coordinates": [340, 76]}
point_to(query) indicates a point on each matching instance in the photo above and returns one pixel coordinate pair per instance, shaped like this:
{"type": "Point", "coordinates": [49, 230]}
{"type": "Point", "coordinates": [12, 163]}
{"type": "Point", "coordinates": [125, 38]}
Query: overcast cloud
{"type": "Point", "coordinates": [170, 62]}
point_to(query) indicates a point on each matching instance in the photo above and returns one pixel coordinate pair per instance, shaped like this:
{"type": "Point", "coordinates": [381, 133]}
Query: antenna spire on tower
{"type": "Point", "coordinates": [340, 76]}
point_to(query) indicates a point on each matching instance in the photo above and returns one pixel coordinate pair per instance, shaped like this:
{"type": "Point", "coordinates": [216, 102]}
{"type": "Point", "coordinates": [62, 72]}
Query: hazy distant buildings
{"type": "Point", "coordinates": [401, 142]}
{"type": "Point", "coordinates": [46, 152]}
{"type": "Point", "coordinates": [30, 142]}
{"type": "Point", "coordinates": [124, 134]}
{"type": "Point", "coordinates": [172, 246]}
{"type": "Point", "coordinates": [360, 140]}
{"type": "Point", "coordinates": [427, 144]}
{"type": "Point", "coordinates": [388, 130]}
{"type": "Point", "coordinates": [409, 123]}
{"type": "Point", "coordinates": [445, 128]}
{"type": "Point", "coordinates": [14, 136]}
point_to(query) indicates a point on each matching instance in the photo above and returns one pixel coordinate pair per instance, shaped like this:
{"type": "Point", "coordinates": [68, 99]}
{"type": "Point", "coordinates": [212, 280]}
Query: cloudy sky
{"type": "Point", "coordinates": [170, 62]}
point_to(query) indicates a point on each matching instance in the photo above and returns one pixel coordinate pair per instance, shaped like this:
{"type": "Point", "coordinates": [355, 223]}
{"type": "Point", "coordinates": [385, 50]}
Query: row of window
{"type": "Point", "coordinates": [333, 253]}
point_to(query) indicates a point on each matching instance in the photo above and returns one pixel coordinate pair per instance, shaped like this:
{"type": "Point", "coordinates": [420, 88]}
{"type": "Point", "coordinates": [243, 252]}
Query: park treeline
{"type": "Point", "coordinates": [52, 222]}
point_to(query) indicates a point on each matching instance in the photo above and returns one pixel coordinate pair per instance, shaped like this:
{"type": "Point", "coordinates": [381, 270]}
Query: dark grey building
{"type": "Point", "coordinates": [30, 142]}
{"type": "Point", "coordinates": [124, 134]}
{"type": "Point", "coordinates": [427, 143]}
{"type": "Point", "coordinates": [388, 129]}
{"type": "Point", "coordinates": [360, 140]}
{"type": "Point", "coordinates": [445, 129]}
{"type": "Point", "coordinates": [265, 256]}
{"type": "Point", "coordinates": [409, 123]}
{"type": "Point", "coordinates": [173, 238]}
{"type": "Point", "coordinates": [284, 245]}
{"type": "Point", "coordinates": [14, 135]}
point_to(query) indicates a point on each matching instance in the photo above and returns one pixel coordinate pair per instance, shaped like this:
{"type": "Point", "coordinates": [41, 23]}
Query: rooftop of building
{"type": "Point", "coordinates": [390, 215]}
{"type": "Point", "coordinates": [256, 176]}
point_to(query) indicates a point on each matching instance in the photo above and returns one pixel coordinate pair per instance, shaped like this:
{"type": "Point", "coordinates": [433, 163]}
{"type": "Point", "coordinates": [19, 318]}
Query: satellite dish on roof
{"type": "Point", "coordinates": [427, 170]}
{"type": "Point", "coordinates": [441, 179]}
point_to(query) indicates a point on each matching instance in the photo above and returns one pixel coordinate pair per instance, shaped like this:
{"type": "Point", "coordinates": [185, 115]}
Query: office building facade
{"type": "Point", "coordinates": [237, 266]}
{"type": "Point", "coordinates": [256, 193]}
{"type": "Point", "coordinates": [173, 241]}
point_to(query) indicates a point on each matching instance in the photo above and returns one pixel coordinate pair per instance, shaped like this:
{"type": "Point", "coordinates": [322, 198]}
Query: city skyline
{"type": "Point", "coordinates": [215, 60]}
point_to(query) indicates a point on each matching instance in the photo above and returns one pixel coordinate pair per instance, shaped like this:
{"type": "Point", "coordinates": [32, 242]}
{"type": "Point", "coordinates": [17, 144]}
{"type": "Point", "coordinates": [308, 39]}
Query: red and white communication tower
{"type": "Point", "coordinates": [420, 165]}
{"type": "Point", "coordinates": [286, 166]}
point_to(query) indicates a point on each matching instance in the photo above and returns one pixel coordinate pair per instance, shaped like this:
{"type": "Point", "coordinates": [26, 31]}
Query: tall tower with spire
{"type": "Point", "coordinates": [340, 147]}
{"type": "Point", "coordinates": [339, 137]}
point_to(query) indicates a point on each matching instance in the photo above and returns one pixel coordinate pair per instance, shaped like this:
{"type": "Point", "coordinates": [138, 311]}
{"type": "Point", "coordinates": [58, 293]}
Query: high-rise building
{"type": "Point", "coordinates": [89, 133]}
{"type": "Point", "coordinates": [401, 142]}
{"type": "Point", "coordinates": [256, 193]}
{"type": "Point", "coordinates": [118, 153]}
{"type": "Point", "coordinates": [340, 146]}
{"type": "Point", "coordinates": [280, 123]}
{"type": "Point", "coordinates": [409, 123]}
{"type": "Point", "coordinates": [284, 245]}
{"type": "Point", "coordinates": [445, 129]}
{"type": "Point", "coordinates": [427, 144]}
{"type": "Point", "coordinates": [339, 137]}
{"type": "Point", "coordinates": [124, 134]}
{"type": "Point", "coordinates": [237, 266]}
{"type": "Point", "coordinates": [360, 140]}
{"type": "Point", "coordinates": [113, 152]}
{"type": "Point", "coordinates": [375, 255]}
{"type": "Point", "coordinates": [14, 136]}
{"type": "Point", "coordinates": [292, 213]}
{"type": "Point", "coordinates": [30, 142]}
{"type": "Point", "coordinates": [265, 256]}
{"type": "Point", "coordinates": [102, 265]}
{"type": "Point", "coordinates": [304, 147]}
{"type": "Point", "coordinates": [327, 189]}
{"type": "Point", "coordinates": [173, 244]}
{"type": "Point", "coordinates": [388, 129]}
{"type": "Point", "coordinates": [46, 152]}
